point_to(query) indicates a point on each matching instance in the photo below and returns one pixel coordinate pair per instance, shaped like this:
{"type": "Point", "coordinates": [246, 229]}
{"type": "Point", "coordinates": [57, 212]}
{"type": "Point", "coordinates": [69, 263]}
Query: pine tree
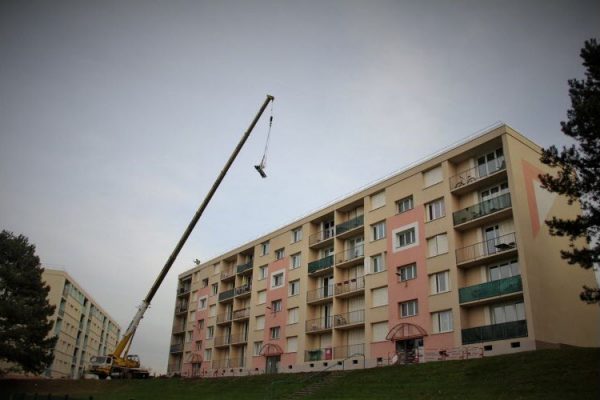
{"type": "Point", "coordinates": [24, 307]}
{"type": "Point", "coordinates": [578, 165]}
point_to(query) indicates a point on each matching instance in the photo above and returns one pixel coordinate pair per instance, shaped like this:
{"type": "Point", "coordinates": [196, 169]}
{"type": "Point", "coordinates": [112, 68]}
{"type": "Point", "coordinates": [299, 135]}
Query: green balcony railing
{"type": "Point", "coordinates": [244, 267]}
{"type": "Point", "coordinates": [323, 263]}
{"type": "Point", "coordinates": [226, 295]}
{"type": "Point", "coordinates": [350, 224]}
{"type": "Point", "coordinates": [482, 209]}
{"type": "Point", "coordinates": [491, 289]}
{"type": "Point", "coordinates": [488, 333]}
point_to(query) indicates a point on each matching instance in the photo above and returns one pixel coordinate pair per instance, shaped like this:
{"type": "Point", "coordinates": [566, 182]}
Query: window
{"type": "Point", "coordinates": [490, 163]}
{"type": "Point", "coordinates": [258, 347]}
{"type": "Point", "coordinates": [407, 272]}
{"type": "Point", "coordinates": [214, 289]}
{"type": "Point", "coordinates": [262, 272]}
{"type": "Point", "coordinates": [275, 306]}
{"type": "Point", "coordinates": [292, 344]}
{"type": "Point", "coordinates": [433, 176]}
{"type": "Point", "coordinates": [296, 235]}
{"type": "Point", "coordinates": [434, 210]}
{"type": "Point", "coordinates": [406, 238]}
{"type": "Point", "coordinates": [292, 315]}
{"type": "Point", "coordinates": [442, 321]}
{"type": "Point", "coordinates": [188, 336]}
{"type": "Point", "coordinates": [378, 230]}
{"type": "Point", "coordinates": [277, 279]}
{"type": "Point", "coordinates": [262, 296]}
{"type": "Point", "coordinates": [378, 200]}
{"type": "Point", "coordinates": [437, 245]}
{"type": "Point", "coordinates": [202, 303]}
{"type": "Point", "coordinates": [380, 331]}
{"type": "Point", "coordinates": [405, 204]}
{"type": "Point", "coordinates": [279, 253]}
{"type": "Point", "coordinates": [377, 263]}
{"type": "Point", "coordinates": [210, 332]}
{"type": "Point", "coordinates": [409, 309]}
{"type": "Point", "coordinates": [264, 248]}
{"type": "Point", "coordinates": [207, 354]}
{"type": "Point", "coordinates": [201, 324]}
{"type": "Point", "coordinates": [439, 282]}
{"type": "Point", "coordinates": [507, 312]}
{"type": "Point", "coordinates": [204, 282]}
{"type": "Point", "coordinates": [503, 270]}
{"type": "Point", "coordinates": [380, 296]}
{"type": "Point", "coordinates": [213, 310]}
{"type": "Point", "coordinates": [274, 332]}
{"type": "Point", "coordinates": [260, 322]}
{"type": "Point", "coordinates": [294, 287]}
{"type": "Point", "coordinates": [295, 261]}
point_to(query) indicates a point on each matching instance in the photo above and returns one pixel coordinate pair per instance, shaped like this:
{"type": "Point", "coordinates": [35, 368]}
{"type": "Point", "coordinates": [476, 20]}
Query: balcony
{"type": "Point", "coordinates": [185, 289]}
{"type": "Point", "coordinates": [319, 324]}
{"type": "Point", "coordinates": [176, 348]}
{"type": "Point", "coordinates": [325, 353]}
{"type": "Point", "coordinates": [218, 364]}
{"type": "Point", "coordinates": [350, 287]}
{"type": "Point", "coordinates": [347, 228]}
{"type": "Point", "coordinates": [226, 295]}
{"type": "Point", "coordinates": [320, 295]}
{"type": "Point", "coordinates": [227, 274]}
{"type": "Point", "coordinates": [487, 251]}
{"type": "Point", "coordinates": [179, 328]}
{"type": "Point", "coordinates": [320, 266]}
{"type": "Point", "coordinates": [243, 290]}
{"type": "Point", "coordinates": [478, 177]}
{"type": "Point", "coordinates": [349, 320]}
{"type": "Point", "coordinates": [350, 257]}
{"type": "Point", "coordinates": [181, 308]}
{"type": "Point", "coordinates": [490, 290]}
{"type": "Point", "coordinates": [488, 333]}
{"type": "Point", "coordinates": [221, 341]}
{"type": "Point", "coordinates": [487, 211]}
{"type": "Point", "coordinates": [240, 269]}
{"type": "Point", "coordinates": [237, 363]}
{"type": "Point", "coordinates": [240, 338]}
{"type": "Point", "coordinates": [349, 350]}
{"type": "Point", "coordinates": [322, 238]}
{"type": "Point", "coordinates": [242, 314]}
{"type": "Point", "coordinates": [224, 318]}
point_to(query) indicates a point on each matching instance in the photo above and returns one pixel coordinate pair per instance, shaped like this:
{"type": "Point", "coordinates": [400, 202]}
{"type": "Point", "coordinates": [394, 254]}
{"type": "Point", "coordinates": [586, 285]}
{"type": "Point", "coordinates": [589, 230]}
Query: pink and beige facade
{"type": "Point", "coordinates": [447, 259]}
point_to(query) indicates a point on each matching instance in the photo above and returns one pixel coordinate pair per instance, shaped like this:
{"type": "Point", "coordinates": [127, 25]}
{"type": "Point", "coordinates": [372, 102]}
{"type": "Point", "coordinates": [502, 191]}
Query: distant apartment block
{"type": "Point", "coordinates": [83, 328]}
{"type": "Point", "coordinates": [447, 259]}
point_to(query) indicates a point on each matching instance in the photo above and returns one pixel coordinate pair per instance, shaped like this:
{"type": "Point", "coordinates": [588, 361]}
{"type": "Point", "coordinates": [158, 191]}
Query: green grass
{"type": "Point", "coordinates": [545, 374]}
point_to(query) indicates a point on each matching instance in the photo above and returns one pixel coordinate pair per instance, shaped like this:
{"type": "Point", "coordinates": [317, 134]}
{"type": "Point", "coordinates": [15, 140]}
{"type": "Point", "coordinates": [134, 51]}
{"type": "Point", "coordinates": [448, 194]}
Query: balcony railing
{"type": "Point", "coordinates": [321, 236]}
{"type": "Point", "coordinates": [474, 174]}
{"type": "Point", "coordinates": [241, 314]}
{"type": "Point", "coordinates": [482, 209]}
{"type": "Point", "coordinates": [243, 289]}
{"type": "Point", "coordinates": [237, 363]}
{"type": "Point", "coordinates": [350, 286]}
{"type": "Point", "coordinates": [488, 333]}
{"type": "Point", "coordinates": [239, 338]}
{"type": "Point", "coordinates": [183, 290]}
{"type": "Point", "coordinates": [319, 324]}
{"type": "Point", "coordinates": [176, 348]}
{"type": "Point", "coordinates": [486, 248]}
{"type": "Point", "coordinates": [178, 328]}
{"type": "Point", "coordinates": [491, 289]}
{"type": "Point", "coordinates": [244, 267]}
{"type": "Point", "coordinates": [226, 295]}
{"type": "Point", "coordinates": [349, 225]}
{"type": "Point", "coordinates": [325, 353]}
{"type": "Point", "coordinates": [223, 318]}
{"type": "Point", "coordinates": [323, 263]}
{"type": "Point", "coordinates": [180, 308]}
{"type": "Point", "coordinates": [228, 273]}
{"type": "Point", "coordinates": [217, 364]}
{"type": "Point", "coordinates": [321, 293]}
{"type": "Point", "coordinates": [349, 350]}
{"type": "Point", "coordinates": [222, 340]}
{"type": "Point", "coordinates": [351, 318]}
{"type": "Point", "coordinates": [353, 253]}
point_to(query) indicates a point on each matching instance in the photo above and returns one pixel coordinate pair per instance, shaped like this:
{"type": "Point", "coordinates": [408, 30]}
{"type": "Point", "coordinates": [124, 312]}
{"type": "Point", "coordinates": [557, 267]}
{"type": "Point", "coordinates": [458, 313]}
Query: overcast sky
{"type": "Point", "coordinates": [116, 117]}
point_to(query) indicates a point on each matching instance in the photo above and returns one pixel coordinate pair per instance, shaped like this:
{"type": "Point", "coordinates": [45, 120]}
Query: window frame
{"type": "Point", "coordinates": [407, 267]}
{"type": "Point", "coordinates": [431, 211]}
{"type": "Point", "coordinates": [264, 248]}
{"type": "Point", "coordinates": [411, 306]}
{"type": "Point", "coordinates": [399, 204]}
{"type": "Point", "coordinates": [296, 235]}
{"type": "Point", "coordinates": [294, 284]}
{"type": "Point", "coordinates": [378, 230]}
{"type": "Point", "coordinates": [374, 257]}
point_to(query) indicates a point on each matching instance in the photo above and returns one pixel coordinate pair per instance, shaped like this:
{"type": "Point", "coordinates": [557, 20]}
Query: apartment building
{"type": "Point", "coordinates": [447, 259]}
{"type": "Point", "coordinates": [83, 328]}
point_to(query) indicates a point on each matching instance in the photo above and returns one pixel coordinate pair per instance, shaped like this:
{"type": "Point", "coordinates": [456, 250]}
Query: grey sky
{"type": "Point", "coordinates": [115, 117]}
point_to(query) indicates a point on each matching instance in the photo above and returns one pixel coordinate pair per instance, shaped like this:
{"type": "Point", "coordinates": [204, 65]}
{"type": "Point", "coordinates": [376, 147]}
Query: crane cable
{"type": "Point", "coordinates": [263, 162]}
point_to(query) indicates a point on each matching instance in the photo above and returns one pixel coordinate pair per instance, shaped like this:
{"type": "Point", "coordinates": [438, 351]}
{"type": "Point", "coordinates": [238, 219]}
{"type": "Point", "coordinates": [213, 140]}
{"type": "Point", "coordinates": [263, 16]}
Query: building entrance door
{"type": "Point", "coordinates": [273, 364]}
{"type": "Point", "coordinates": [408, 350]}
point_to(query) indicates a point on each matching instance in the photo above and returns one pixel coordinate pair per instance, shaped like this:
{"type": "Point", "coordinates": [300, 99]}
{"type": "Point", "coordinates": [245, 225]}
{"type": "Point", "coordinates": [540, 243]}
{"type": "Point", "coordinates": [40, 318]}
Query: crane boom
{"type": "Point", "coordinates": [125, 342]}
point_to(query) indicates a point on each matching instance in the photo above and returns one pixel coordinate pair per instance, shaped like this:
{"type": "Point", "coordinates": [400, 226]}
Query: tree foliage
{"type": "Point", "coordinates": [578, 166]}
{"type": "Point", "coordinates": [24, 307]}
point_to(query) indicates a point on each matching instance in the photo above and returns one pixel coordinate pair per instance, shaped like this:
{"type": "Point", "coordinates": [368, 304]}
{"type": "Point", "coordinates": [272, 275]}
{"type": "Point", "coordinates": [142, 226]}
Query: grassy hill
{"type": "Point", "coordinates": [546, 374]}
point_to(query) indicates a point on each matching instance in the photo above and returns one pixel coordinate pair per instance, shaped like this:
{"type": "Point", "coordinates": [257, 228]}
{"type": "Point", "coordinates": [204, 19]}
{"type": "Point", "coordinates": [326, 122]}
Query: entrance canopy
{"type": "Point", "coordinates": [270, 349]}
{"type": "Point", "coordinates": [195, 358]}
{"type": "Point", "coordinates": [405, 331]}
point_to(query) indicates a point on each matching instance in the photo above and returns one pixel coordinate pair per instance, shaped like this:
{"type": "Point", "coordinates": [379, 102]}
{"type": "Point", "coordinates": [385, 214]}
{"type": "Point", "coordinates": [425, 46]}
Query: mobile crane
{"type": "Point", "coordinates": [121, 364]}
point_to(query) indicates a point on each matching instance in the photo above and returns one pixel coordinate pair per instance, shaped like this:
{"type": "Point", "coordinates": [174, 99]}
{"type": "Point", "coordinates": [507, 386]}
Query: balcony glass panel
{"type": "Point", "coordinates": [323, 263]}
{"type": "Point", "coordinates": [349, 225]}
{"type": "Point", "coordinates": [228, 294]}
{"type": "Point", "coordinates": [482, 209]}
{"type": "Point", "coordinates": [491, 289]}
{"type": "Point", "coordinates": [244, 267]}
{"type": "Point", "coordinates": [488, 333]}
